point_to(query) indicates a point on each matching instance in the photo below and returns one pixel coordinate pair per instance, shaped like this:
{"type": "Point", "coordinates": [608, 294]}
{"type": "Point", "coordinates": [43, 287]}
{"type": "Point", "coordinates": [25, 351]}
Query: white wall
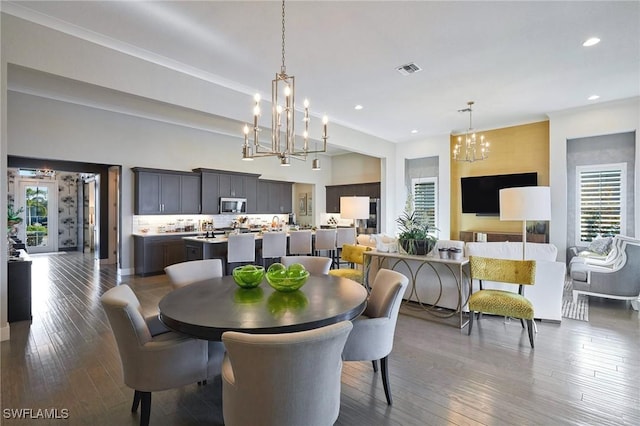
{"type": "Point", "coordinates": [596, 120]}
{"type": "Point", "coordinates": [435, 146]}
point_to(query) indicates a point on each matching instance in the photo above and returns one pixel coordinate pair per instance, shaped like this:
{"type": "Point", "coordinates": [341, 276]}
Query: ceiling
{"type": "Point", "coordinates": [517, 60]}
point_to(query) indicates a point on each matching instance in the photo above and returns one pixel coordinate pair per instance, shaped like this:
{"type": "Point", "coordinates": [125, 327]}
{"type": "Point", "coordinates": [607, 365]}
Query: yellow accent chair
{"type": "Point", "coordinates": [501, 302]}
{"type": "Point", "coordinates": [354, 255]}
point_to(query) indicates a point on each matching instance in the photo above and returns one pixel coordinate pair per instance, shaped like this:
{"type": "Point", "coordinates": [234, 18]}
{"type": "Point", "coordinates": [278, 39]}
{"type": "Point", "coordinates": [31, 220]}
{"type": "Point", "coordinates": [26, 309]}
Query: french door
{"type": "Point", "coordinates": [39, 229]}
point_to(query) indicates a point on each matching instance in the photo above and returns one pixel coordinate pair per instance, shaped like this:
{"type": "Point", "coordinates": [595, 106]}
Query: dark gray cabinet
{"type": "Point", "coordinates": [166, 192]}
{"type": "Point", "coordinates": [220, 183]}
{"type": "Point", "coordinates": [153, 254]}
{"type": "Point", "coordinates": [274, 197]}
{"type": "Point", "coordinates": [334, 192]}
{"type": "Point", "coordinates": [210, 195]}
{"type": "Point", "coordinates": [19, 289]}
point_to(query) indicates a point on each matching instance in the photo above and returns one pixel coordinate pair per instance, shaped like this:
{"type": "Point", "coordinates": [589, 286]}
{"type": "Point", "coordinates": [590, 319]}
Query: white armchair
{"type": "Point", "coordinates": [283, 379]}
{"type": "Point", "coordinates": [618, 278]}
{"type": "Point", "coordinates": [373, 332]}
{"type": "Point", "coordinates": [153, 363]}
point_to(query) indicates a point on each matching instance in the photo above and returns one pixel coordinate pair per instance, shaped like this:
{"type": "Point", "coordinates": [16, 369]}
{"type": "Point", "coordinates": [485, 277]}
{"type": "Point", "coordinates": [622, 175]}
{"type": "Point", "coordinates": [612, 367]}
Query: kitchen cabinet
{"type": "Point", "coordinates": [153, 254]}
{"type": "Point", "coordinates": [274, 197]}
{"type": "Point", "coordinates": [210, 192]}
{"type": "Point", "coordinates": [221, 183]}
{"type": "Point", "coordinates": [334, 192]}
{"type": "Point", "coordinates": [166, 192]}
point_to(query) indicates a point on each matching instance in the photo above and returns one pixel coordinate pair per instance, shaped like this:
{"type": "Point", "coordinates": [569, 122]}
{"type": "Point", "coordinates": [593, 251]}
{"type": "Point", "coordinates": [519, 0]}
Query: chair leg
{"type": "Point", "coordinates": [522, 322]}
{"type": "Point", "coordinates": [530, 330]}
{"type": "Point", "coordinates": [471, 313]}
{"type": "Point", "coordinates": [375, 365]}
{"type": "Point", "coordinates": [136, 401]}
{"type": "Point", "coordinates": [145, 412]}
{"type": "Point", "coordinates": [385, 378]}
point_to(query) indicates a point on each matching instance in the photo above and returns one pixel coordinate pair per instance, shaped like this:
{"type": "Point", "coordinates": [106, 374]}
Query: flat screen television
{"type": "Point", "coordinates": [480, 194]}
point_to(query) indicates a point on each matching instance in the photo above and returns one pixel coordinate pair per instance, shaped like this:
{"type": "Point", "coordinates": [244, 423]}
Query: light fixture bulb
{"type": "Point", "coordinates": [591, 42]}
{"type": "Point", "coordinates": [306, 103]}
{"type": "Point", "coordinates": [287, 91]}
{"type": "Point", "coordinates": [325, 119]}
{"type": "Point", "coordinates": [256, 97]}
{"type": "Point", "coordinates": [245, 129]}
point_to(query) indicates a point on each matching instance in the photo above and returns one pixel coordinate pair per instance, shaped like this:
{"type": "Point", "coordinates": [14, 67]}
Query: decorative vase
{"type": "Point", "coordinates": [417, 247]}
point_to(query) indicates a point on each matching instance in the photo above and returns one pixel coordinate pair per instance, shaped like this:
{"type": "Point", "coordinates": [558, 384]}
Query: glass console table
{"type": "Point", "coordinates": [438, 288]}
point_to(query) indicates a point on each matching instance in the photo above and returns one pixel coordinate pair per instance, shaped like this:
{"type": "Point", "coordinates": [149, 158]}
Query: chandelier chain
{"type": "Point", "coordinates": [283, 68]}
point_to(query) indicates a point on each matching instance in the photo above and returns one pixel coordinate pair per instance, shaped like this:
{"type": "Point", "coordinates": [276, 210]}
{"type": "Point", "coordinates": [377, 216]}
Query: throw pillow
{"type": "Point", "coordinates": [600, 245]}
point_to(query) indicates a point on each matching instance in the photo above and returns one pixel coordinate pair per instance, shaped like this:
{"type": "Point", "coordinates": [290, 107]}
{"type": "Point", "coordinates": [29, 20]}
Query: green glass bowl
{"type": "Point", "coordinates": [281, 281]}
{"type": "Point", "coordinates": [248, 276]}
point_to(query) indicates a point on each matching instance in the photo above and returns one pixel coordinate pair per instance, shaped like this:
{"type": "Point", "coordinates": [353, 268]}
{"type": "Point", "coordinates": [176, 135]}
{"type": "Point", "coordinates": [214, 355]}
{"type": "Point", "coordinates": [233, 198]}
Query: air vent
{"type": "Point", "coordinates": [407, 69]}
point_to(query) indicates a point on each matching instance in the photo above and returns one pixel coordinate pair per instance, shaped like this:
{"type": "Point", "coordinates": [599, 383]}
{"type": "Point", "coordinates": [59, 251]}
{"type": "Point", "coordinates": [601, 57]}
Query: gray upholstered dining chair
{"type": "Point", "coordinates": [372, 336]}
{"type": "Point", "coordinates": [184, 273]}
{"type": "Point", "coordinates": [152, 363]}
{"type": "Point", "coordinates": [316, 265]}
{"type": "Point", "coordinates": [283, 379]}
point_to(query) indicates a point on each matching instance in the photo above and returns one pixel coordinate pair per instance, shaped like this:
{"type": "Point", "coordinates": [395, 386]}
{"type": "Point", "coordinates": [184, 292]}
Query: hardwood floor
{"type": "Point", "coordinates": [580, 373]}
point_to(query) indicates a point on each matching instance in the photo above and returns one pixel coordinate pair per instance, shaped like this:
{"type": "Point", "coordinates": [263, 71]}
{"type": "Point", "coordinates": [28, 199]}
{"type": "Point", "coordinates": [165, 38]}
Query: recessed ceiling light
{"type": "Point", "coordinates": [358, 107]}
{"type": "Point", "coordinates": [591, 42]}
{"type": "Point", "coordinates": [414, 131]}
{"type": "Point", "coordinates": [593, 97]}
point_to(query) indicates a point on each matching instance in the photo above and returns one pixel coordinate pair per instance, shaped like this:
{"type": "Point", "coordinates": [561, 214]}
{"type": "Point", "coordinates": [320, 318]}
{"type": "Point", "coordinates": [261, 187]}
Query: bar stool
{"type": "Point", "coordinates": [274, 245]}
{"type": "Point", "coordinates": [344, 236]}
{"type": "Point", "coordinates": [241, 249]}
{"type": "Point", "coordinates": [326, 241]}
{"type": "Point", "coordinates": [300, 242]}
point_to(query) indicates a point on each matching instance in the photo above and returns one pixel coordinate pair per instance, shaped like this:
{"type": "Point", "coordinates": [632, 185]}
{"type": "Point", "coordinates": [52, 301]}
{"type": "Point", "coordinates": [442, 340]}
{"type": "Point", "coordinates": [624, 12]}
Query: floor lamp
{"type": "Point", "coordinates": [355, 208]}
{"type": "Point", "coordinates": [525, 203]}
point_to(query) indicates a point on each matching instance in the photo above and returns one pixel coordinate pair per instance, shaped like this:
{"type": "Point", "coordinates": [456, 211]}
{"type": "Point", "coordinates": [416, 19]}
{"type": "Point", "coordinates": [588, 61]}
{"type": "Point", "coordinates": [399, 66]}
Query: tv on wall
{"type": "Point", "coordinates": [480, 194]}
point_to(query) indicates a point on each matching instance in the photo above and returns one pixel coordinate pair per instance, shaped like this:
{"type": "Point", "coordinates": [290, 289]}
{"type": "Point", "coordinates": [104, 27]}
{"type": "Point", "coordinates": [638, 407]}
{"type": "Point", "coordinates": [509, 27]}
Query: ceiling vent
{"type": "Point", "coordinates": [407, 69]}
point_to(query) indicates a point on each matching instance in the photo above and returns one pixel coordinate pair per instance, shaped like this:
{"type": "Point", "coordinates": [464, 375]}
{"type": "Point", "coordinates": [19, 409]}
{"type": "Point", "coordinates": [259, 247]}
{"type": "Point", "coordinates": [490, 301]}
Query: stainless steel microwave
{"type": "Point", "coordinates": [233, 205]}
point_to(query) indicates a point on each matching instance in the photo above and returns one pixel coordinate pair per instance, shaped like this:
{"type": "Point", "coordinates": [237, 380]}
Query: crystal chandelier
{"type": "Point", "coordinates": [283, 107]}
{"type": "Point", "coordinates": [470, 149]}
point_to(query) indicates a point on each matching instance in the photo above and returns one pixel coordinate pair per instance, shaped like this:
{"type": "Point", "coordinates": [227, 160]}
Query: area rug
{"type": "Point", "coordinates": [576, 311]}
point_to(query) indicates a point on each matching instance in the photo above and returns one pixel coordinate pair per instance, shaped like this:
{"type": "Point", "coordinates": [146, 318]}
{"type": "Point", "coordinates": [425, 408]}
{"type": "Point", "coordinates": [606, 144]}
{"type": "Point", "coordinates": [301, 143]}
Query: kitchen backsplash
{"type": "Point", "coordinates": [158, 224]}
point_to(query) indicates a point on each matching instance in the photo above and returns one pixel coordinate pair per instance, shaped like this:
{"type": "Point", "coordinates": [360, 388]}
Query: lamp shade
{"type": "Point", "coordinates": [354, 207]}
{"type": "Point", "coordinates": [525, 203]}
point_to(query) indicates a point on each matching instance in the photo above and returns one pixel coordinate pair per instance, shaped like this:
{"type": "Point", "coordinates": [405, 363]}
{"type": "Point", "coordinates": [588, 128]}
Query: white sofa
{"type": "Point", "coordinates": [546, 293]}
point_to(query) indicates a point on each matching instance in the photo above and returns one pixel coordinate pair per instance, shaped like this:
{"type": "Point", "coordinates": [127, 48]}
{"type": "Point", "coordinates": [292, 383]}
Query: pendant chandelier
{"type": "Point", "coordinates": [470, 149]}
{"type": "Point", "coordinates": [283, 108]}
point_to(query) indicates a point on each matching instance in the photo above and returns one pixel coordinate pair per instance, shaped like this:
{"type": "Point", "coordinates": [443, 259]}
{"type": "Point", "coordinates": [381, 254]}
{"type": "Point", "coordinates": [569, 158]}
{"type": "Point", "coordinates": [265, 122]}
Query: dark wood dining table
{"type": "Point", "coordinates": [207, 309]}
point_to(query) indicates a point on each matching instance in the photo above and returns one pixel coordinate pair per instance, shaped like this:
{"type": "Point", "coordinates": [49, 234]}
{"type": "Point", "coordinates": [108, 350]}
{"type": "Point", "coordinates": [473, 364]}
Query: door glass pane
{"type": "Point", "coordinates": [37, 215]}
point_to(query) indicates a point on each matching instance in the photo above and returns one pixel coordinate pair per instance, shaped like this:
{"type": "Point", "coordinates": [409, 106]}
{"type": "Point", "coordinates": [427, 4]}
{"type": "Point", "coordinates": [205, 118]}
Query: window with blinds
{"type": "Point", "coordinates": [425, 199]}
{"type": "Point", "coordinates": [601, 200]}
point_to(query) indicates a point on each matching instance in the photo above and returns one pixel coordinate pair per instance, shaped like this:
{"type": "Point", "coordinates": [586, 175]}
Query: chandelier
{"type": "Point", "coordinates": [283, 108]}
{"type": "Point", "coordinates": [470, 149]}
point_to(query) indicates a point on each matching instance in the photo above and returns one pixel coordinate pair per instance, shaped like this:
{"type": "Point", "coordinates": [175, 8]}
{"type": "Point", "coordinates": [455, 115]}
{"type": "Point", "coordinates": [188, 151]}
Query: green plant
{"type": "Point", "coordinates": [13, 216]}
{"type": "Point", "coordinates": [414, 226]}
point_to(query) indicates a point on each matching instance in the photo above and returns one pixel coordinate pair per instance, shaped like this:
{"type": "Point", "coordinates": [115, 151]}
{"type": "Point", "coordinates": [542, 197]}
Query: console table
{"type": "Point", "coordinates": [19, 288]}
{"type": "Point", "coordinates": [438, 287]}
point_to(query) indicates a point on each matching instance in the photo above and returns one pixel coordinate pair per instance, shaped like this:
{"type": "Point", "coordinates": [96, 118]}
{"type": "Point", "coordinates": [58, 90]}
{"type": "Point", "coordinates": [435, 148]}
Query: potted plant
{"type": "Point", "coordinates": [415, 232]}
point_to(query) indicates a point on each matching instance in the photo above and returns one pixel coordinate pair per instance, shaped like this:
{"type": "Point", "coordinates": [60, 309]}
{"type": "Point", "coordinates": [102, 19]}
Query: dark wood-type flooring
{"type": "Point", "coordinates": [580, 373]}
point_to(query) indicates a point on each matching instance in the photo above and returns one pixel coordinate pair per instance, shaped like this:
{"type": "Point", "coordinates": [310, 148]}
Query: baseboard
{"type": "Point", "coordinates": [126, 271]}
{"type": "Point", "coordinates": [5, 333]}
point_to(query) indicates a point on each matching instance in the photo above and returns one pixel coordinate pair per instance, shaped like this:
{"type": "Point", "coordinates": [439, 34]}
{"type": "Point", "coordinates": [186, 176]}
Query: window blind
{"type": "Point", "coordinates": [601, 203]}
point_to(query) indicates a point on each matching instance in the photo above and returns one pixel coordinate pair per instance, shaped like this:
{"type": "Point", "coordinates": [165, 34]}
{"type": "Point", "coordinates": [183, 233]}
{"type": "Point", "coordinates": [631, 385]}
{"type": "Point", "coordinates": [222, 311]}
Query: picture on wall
{"type": "Point", "coordinates": [302, 205]}
{"type": "Point", "coordinates": [309, 204]}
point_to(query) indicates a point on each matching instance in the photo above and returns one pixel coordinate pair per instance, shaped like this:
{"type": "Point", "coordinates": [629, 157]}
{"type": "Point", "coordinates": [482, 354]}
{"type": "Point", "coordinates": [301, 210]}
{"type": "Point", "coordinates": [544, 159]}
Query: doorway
{"type": "Point", "coordinates": [39, 199]}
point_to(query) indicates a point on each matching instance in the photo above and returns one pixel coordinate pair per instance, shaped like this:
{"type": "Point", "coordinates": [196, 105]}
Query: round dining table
{"type": "Point", "coordinates": [208, 308]}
